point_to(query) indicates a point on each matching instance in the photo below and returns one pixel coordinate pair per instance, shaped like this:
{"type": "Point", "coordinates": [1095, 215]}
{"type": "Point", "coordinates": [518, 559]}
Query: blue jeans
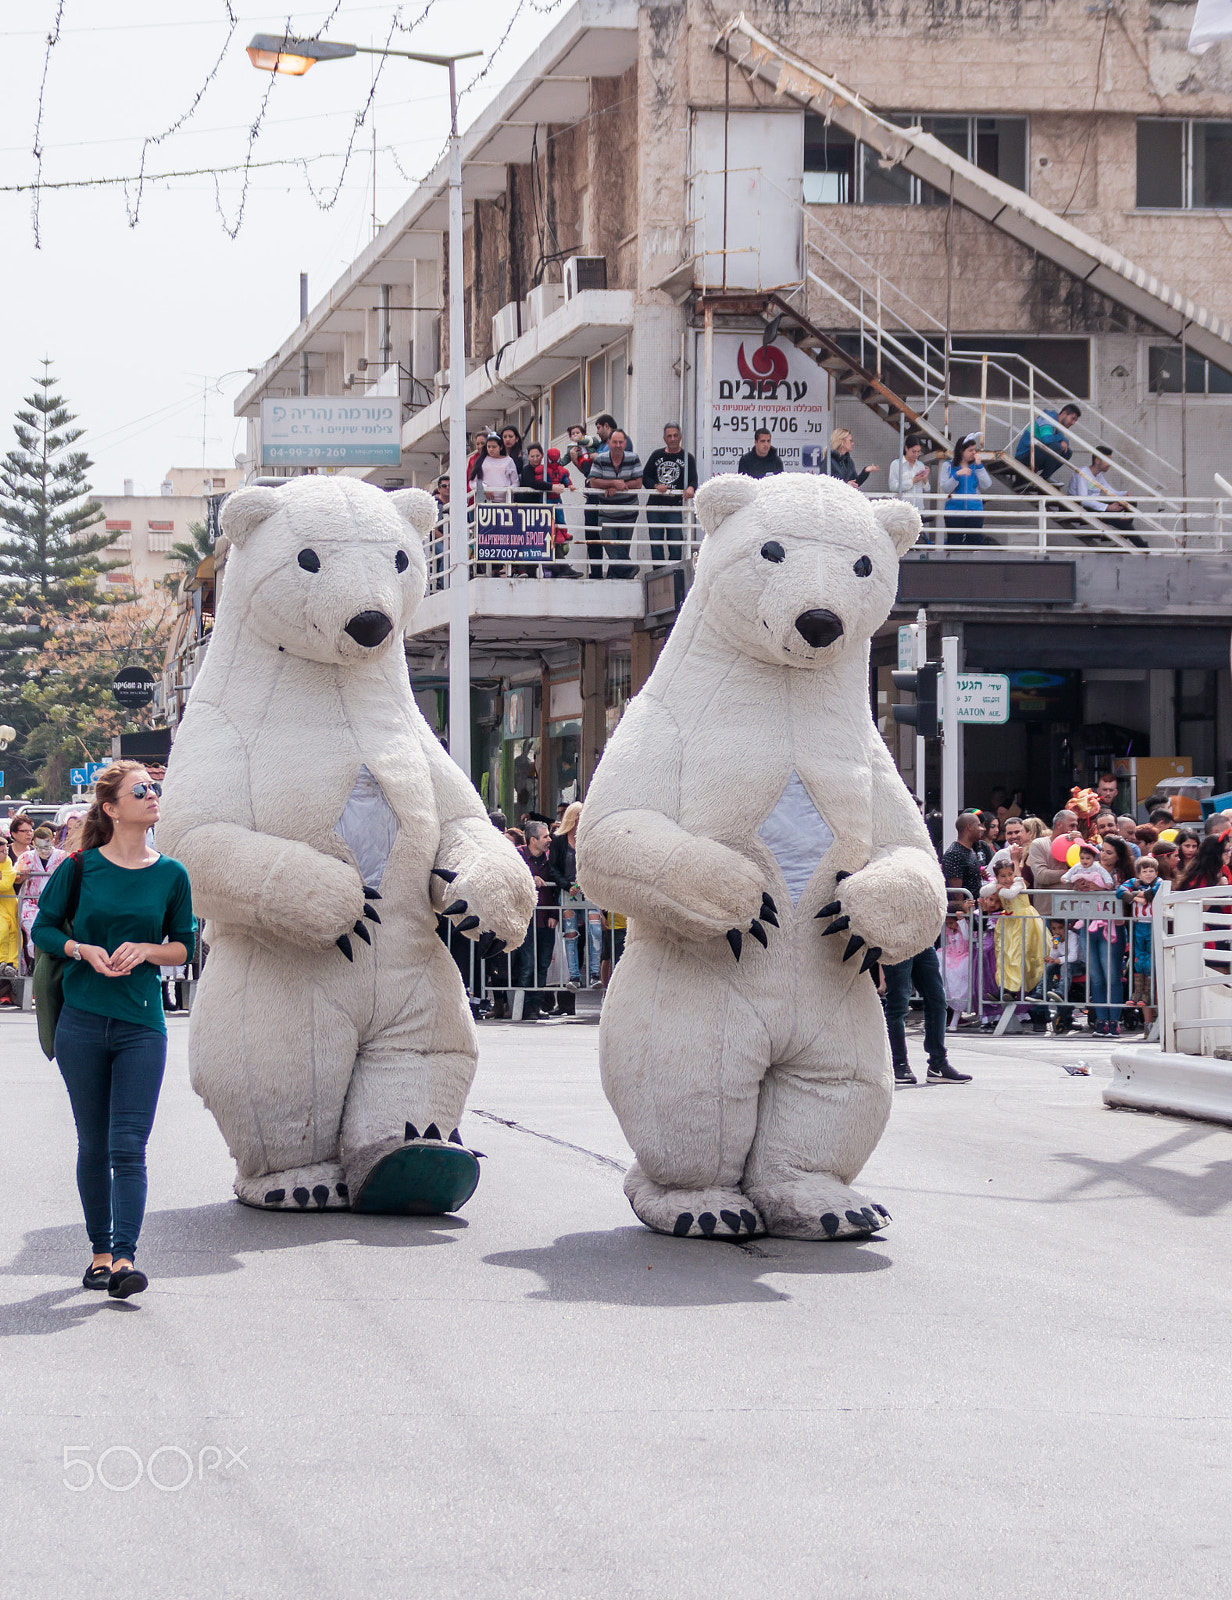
{"type": "Point", "coordinates": [113, 1072]}
{"type": "Point", "coordinates": [925, 970]}
{"type": "Point", "coordinates": [569, 925]}
{"type": "Point", "coordinates": [1104, 976]}
{"type": "Point", "coordinates": [665, 523]}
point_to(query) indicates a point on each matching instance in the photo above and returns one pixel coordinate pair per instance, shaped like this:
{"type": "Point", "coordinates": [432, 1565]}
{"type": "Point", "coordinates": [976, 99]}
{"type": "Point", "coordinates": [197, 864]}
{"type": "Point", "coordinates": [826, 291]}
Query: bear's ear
{"type": "Point", "coordinates": [416, 507]}
{"type": "Point", "coordinates": [720, 496]}
{"type": "Point", "coordinates": [900, 521]}
{"type": "Point", "coordinates": [247, 509]}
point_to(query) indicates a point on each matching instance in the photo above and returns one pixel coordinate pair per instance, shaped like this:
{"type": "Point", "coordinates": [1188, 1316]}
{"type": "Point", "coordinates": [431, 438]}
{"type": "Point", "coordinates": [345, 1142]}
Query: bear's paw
{"type": "Point", "coordinates": [318, 1187]}
{"type": "Point", "coordinates": [714, 1213]}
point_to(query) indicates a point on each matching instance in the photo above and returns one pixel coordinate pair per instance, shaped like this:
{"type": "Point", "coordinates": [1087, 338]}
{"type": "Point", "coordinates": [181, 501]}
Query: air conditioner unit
{"type": "Point", "coordinates": [543, 299]}
{"type": "Point", "coordinates": [506, 325]}
{"type": "Point", "coordinates": [584, 272]}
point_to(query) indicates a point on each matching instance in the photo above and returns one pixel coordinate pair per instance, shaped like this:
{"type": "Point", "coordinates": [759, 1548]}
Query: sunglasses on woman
{"type": "Point", "coordinates": [140, 790]}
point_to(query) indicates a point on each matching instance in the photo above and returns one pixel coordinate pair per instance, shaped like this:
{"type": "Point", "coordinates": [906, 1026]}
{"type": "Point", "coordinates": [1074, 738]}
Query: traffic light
{"type": "Point", "coordinates": [922, 683]}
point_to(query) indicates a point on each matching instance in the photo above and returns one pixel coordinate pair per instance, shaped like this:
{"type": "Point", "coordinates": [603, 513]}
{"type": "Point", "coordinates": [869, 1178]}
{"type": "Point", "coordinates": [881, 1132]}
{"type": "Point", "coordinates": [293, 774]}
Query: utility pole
{"type": "Point", "coordinates": [459, 541]}
{"type": "Point", "coordinates": [921, 748]}
{"type": "Point", "coordinates": [950, 798]}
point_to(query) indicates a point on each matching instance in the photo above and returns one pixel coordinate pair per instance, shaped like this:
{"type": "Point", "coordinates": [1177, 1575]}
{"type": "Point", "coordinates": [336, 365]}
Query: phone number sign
{"type": "Point", "coordinates": [514, 533]}
{"type": "Point", "coordinates": [774, 386]}
{"type": "Point", "coordinates": [320, 431]}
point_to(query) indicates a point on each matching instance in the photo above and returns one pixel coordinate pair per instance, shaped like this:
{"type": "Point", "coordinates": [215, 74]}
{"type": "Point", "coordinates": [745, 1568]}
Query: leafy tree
{"type": "Point", "coordinates": [188, 554]}
{"type": "Point", "coordinates": [67, 697]}
{"type": "Point", "coordinates": [49, 558]}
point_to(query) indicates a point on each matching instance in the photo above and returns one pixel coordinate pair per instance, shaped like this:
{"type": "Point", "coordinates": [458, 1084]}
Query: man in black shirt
{"type": "Point", "coordinates": [671, 476]}
{"type": "Point", "coordinates": [960, 866]}
{"type": "Point", "coordinates": [763, 460]}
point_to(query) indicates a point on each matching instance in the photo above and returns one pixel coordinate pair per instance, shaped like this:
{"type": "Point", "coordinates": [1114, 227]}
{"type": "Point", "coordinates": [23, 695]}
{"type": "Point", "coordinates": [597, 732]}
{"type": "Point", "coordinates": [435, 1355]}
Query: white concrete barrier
{"type": "Point", "coordinates": [1150, 1079]}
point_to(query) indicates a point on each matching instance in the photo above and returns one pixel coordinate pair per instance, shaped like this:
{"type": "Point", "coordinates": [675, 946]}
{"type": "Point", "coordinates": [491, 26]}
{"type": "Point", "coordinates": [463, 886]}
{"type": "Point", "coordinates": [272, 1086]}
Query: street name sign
{"type": "Point", "coordinates": [906, 647]}
{"type": "Point", "coordinates": [981, 697]}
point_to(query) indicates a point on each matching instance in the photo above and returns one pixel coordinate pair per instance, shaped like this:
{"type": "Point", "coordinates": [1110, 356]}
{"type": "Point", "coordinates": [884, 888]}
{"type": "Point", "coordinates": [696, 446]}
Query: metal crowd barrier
{"type": "Point", "coordinates": [513, 974]}
{"type": "Point", "coordinates": [1076, 951]}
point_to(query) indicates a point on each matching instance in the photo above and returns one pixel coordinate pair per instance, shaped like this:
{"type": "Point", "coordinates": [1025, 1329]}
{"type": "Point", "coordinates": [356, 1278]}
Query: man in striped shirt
{"type": "Point", "coordinates": [615, 478]}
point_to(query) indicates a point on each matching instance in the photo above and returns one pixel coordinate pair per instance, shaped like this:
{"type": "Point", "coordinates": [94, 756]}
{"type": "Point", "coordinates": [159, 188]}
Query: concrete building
{"type": "Point", "coordinates": [147, 525]}
{"type": "Point", "coordinates": [932, 217]}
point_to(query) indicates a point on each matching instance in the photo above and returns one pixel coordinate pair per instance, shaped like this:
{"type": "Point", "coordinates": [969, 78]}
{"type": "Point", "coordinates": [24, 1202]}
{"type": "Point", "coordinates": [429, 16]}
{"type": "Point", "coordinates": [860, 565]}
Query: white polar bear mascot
{"type": "Point", "coordinates": [323, 828]}
{"type": "Point", "coordinates": [744, 796]}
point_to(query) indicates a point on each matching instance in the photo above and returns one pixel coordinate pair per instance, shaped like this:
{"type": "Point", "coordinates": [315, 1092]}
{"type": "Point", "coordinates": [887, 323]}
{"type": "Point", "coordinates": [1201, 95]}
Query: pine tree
{"type": "Point", "coordinates": [49, 558]}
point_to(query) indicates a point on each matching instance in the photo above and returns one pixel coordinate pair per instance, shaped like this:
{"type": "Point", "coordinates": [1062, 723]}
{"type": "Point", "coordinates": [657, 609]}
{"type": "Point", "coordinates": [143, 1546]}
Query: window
{"type": "Point", "coordinates": [838, 170]}
{"type": "Point", "coordinates": [1184, 165]}
{"type": "Point", "coordinates": [596, 386]}
{"type": "Point", "coordinates": [1164, 374]}
{"type": "Point", "coordinates": [567, 403]}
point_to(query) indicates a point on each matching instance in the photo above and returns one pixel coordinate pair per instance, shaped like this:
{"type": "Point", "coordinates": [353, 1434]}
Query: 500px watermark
{"type": "Point", "coordinates": [170, 1467]}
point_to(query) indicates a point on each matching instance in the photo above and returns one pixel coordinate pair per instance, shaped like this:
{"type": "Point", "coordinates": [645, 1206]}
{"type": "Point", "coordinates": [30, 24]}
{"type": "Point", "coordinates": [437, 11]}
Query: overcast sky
{"type": "Point", "coordinates": [151, 327]}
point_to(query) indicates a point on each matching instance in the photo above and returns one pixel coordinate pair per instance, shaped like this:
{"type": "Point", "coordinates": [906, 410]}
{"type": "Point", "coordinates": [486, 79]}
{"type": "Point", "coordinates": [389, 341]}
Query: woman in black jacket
{"type": "Point", "coordinates": [842, 462]}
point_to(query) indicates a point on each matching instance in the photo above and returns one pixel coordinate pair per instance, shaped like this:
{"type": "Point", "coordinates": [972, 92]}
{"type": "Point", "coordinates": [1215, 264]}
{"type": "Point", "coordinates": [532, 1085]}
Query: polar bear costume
{"type": "Point", "coordinates": [744, 809]}
{"type": "Point", "coordinates": [323, 828]}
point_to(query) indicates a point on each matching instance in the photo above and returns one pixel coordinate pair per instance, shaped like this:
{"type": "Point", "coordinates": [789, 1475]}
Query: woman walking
{"type": "Point", "coordinates": [133, 914]}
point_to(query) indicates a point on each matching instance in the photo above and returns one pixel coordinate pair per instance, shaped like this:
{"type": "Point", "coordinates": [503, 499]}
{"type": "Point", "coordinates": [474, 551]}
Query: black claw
{"type": "Point", "coordinates": [874, 1222]}
{"type": "Point", "coordinates": [831, 1224]}
{"type": "Point", "coordinates": [496, 947]}
{"type": "Point", "coordinates": [875, 974]}
{"type": "Point", "coordinates": [853, 944]}
{"type": "Point", "coordinates": [768, 903]}
{"type": "Point", "coordinates": [432, 1131]}
{"type": "Point", "coordinates": [300, 1196]}
{"type": "Point", "coordinates": [759, 933]}
{"type": "Point", "coordinates": [836, 926]}
{"type": "Point", "coordinates": [467, 923]}
{"type": "Point", "coordinates": [412, 1132]}
{"type": "Point", "coordinates": [707, 1223]}
{"type": "Point", "coordinates": [320, 1194]}
{"type": "Point", "coordinates": [275, 1197]}
{"type": "Point", "coordinates": [736, 942]}
{"type": "Point", "coordinates": [683, 1224]}
{"type": "Point", "coordinates": [454, 910]}
{"type": "Point", "coordinates": [443, 873]}
{"type": "Point", "coordinates": [750, 1221]}
{"type": "Point", "coordinates": [343, 1192]}
{"type": "Point", "coordinates": [455, 1137]}
{"type": "Point", "coordinates": [370, 894]}
{"type": "Point", "coordinates": [831, 910]}
{"type": "Point", "coordinates": [483, 945]}
{"type": "Point", "coordinates": [871, 957]}
{"type": "Point", "coordinates": [371, 915]}
{"type": "Point", "coordinates": [882, 1212]}
{"type": "Point", "coordinates": [732, 1220]}
{"type": "Point", "coordinates": [769, 916]}
{"type": "Point", "coordinates": [344, 944]}
{"type": "Point", "coordinates": [361, 932]}
{"type": "Point", "coordinates": [856, 1219]}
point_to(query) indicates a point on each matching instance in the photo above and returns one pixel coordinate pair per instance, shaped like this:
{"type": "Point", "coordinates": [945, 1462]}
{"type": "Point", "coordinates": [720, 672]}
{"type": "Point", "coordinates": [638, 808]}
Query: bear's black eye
{"type": "Point", "coordinates": [309, 560]}
{"type": "Point", "coordinates": [772, 550]}
{"type": "Point", "coordinates": [402, 561]}
{"type": "Point", "coordinates": [862, 567]}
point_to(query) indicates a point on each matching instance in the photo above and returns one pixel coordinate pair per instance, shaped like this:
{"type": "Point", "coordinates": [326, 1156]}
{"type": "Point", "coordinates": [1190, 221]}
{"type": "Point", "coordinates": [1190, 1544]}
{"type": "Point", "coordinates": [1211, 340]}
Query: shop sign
{"type": "Point", "coordinates": [514, 533]}
{"type": "Point", "coordinates": [324, 432]}
{"type": "Point", "coordinates": [774, 386]}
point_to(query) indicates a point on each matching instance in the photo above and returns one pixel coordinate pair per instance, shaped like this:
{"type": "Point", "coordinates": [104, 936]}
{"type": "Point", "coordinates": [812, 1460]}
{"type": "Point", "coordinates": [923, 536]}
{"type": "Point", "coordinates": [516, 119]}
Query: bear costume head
{"type": "Point", "coordinates": [799, 570]}
{"type": "Point", "coordinates": [328, 569]}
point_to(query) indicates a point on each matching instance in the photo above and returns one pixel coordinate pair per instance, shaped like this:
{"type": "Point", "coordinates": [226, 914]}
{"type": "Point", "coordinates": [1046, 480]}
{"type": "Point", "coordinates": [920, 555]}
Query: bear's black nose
{"type": "Point", "coordinates": [370, 627]}
{"type": "Point", "coordinates": [818, 628]}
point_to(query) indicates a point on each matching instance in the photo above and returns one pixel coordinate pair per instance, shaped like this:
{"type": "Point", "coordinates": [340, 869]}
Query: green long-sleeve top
{"type": "Point", "coordinates": [145, 905]}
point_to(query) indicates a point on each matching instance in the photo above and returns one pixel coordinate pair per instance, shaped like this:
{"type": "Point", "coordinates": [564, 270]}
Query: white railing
{"type": "Point", "coordinates": [1192, 934]}
{"type": "Point", "coordinates": [1022, 524]}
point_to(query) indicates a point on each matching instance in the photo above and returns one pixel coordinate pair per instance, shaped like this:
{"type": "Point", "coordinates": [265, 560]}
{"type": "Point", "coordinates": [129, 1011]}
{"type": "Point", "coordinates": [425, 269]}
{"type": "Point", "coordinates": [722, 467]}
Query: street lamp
{"type": "Point", "coordinates": [274, 52]}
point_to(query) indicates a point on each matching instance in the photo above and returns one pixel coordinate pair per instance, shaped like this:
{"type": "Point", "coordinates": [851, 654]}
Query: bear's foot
{"type": "Point", "coordinates": [692, 1213]}
{"type": "Point", "coordinates": [414, 1176]}
{"type": "Point", "coordinates": [816, 1205]}
{"type": "Point", "coordinates": [319, 1187]}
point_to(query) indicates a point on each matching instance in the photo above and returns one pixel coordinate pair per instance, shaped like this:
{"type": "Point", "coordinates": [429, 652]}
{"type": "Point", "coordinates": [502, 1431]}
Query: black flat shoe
{"type": "Point", "coordinates": [96, 1277]}
{"type": "Point", "coordinates": [125, 1282]}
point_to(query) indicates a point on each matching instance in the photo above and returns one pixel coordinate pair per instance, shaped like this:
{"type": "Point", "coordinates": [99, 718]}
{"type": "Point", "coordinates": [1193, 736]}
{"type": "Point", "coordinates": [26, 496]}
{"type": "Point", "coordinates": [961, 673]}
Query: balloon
{"type": "Point", "coordinates": [1169, 835]}
{"type": "Point", "coordinates": [1072, 854]}
{"type": "Point", "coordinates": [1060, 849]}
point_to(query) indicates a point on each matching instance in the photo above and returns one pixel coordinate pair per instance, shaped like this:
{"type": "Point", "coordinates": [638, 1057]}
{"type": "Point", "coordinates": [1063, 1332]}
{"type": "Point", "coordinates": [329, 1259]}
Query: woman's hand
{"type": "Point", "coordinates": [128, 955]}
{"type": "Point", "coordinates": [95, 956]}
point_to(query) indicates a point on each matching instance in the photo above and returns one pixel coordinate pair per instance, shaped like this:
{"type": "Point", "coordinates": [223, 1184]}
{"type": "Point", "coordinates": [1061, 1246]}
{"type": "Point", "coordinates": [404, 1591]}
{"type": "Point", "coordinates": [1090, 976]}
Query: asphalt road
{"type": "Point", "coordinates": [1022, 1391]}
